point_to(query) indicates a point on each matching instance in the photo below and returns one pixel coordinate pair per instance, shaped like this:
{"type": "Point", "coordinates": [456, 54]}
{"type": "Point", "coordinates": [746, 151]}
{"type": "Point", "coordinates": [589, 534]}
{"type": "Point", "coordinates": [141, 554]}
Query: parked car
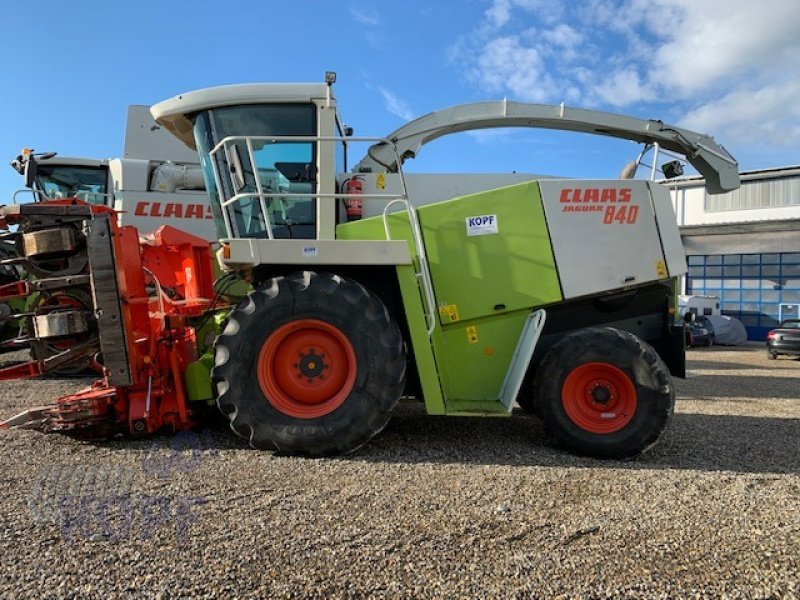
{"type": "Point", "coordinates": [724, 329]}
{"type": "Point", "coordinates": [784, 340]}
{"type": "Point", "coordinates": [698, 335]}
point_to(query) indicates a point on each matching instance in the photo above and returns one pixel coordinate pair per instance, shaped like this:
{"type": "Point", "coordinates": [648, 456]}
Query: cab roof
{"type": "Point", "coordinates": [175, 113]}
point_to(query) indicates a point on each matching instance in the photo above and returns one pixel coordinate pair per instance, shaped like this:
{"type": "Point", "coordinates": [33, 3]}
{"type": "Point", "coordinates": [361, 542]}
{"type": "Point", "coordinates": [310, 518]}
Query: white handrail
{"type": "Point", "coordinates": [424, 274]}
{"type": "Point", "coordinates": [29, 191]}
{"type": "Point", "coordinates": [226, 144]}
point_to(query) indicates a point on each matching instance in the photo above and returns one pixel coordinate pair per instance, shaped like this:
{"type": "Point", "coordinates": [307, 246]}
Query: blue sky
{"type": "Point", "coordinates": [724, 67]}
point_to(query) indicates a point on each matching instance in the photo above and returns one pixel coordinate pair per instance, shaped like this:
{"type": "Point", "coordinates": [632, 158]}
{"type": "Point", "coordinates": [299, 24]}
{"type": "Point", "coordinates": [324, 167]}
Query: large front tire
{"type": "Point", "coordinates": [309, 364]}
{"type": "Point", "coordinates": [604, 392]}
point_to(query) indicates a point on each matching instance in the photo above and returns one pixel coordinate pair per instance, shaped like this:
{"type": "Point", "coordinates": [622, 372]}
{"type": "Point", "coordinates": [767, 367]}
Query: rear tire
{"type": "Point", "coordinates": [604, 392]}
{"type": "Point", "coordinates": [771, 355]}
{"type": "Point", "coordinates": [309, 364]}
{"type": "Point", "coordinates": [527, 397]}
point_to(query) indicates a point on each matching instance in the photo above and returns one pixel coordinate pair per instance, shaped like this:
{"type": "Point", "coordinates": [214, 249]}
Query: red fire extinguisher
{"type": "Point", "coordinates": [354, 187]}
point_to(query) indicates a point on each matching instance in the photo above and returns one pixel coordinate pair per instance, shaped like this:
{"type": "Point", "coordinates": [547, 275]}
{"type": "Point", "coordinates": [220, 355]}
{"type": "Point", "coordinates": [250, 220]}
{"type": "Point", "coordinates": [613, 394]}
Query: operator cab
{"type": "Point", "coordinates": [54, 177]}
{"type": "Point", "coordinates": [268, 154]}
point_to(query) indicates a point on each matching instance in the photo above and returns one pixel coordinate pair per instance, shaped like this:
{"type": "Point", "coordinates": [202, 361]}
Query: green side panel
{"type": "Point", "coordinates": [197, 379]}
{"type": "Point", "coordinates": [485, 287]}
{"type": "Point", "coordinates": [497, 272]}
{"type": "Point", "coordinates": [475, 355]}
{"type": "Point", "coordinates": [420, 343]}
{"type": "Point", "coordinates": [476, 408]}
{"type": "Point", "coordinates": [372, 229]}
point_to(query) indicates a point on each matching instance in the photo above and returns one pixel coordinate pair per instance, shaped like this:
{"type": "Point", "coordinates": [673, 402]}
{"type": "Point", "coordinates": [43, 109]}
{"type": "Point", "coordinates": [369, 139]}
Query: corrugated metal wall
{"type": "Point", "coordinates": [767, 193]}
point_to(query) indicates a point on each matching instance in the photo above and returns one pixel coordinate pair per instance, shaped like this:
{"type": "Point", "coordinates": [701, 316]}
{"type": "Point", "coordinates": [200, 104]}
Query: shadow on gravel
{"type": "Point", "coordinates": [710, 365]}
{"type": "Point", "coordinates": [751, 387]}
{"type": "Point", "coordinates": [694, 442]}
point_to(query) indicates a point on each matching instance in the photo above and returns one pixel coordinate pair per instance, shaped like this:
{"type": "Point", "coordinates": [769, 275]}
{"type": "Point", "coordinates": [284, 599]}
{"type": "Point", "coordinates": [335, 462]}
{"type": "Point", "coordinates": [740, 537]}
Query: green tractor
{"type": "Point", "coordinates": [468, 292]}
{"type": "Point", "coordinates": [557, 294]}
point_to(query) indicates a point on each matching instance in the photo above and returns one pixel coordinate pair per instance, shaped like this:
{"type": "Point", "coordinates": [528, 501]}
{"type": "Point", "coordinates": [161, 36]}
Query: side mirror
{"type": "Point", "coordinates": [31, 169]}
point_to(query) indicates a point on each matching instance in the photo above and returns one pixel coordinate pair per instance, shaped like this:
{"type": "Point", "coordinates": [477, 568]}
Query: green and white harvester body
{"type": "Point", "coordinates": [556, 294]}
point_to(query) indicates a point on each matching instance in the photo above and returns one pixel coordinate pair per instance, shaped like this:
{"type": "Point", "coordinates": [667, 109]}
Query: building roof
{"type": "Point", "coordinates": [742, 227]}
{"type": "Point", "coordinates": [753, 175]}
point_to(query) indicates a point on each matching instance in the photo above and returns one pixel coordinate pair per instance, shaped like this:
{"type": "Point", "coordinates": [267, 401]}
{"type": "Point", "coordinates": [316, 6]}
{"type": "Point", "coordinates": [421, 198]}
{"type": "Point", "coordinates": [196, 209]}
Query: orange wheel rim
{"type": "Point", "coordinates": [599, 397]}
{"type": "Point", "coordinates": [306, 368]}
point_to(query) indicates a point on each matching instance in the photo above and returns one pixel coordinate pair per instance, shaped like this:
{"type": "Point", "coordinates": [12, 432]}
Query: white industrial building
{"type": "Point", "coordinates": [744, 246]}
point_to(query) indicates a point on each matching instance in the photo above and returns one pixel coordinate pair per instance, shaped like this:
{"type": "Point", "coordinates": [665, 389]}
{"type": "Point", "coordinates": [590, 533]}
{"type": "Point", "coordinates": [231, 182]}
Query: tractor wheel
{"type": "Point", "coordinates": [771, 355]}
{"type": "Point", "coordinates": [68, 299]}
{"type": "Point", "coordinates": [309, 364]}
{"type": "Point", "coordinates": [604, 392]}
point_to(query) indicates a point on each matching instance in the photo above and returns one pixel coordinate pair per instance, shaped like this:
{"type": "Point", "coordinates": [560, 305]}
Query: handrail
{"type": "Point", "coordinates": [422, 272]}
{"type": "Point", "coordinates": [87, 193]}
{"type": "Point", "coordinates": [291, 195]}
{"type": "Point", "coordinates": [28, 191]}
{"type": "Point", "coordinates": [228, 142]}
{"type": "Point", "coordinates": [45, 196]}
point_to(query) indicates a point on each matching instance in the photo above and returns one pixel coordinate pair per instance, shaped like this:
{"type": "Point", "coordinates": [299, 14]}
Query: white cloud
{"type": "Point", "coordinates": [728, 68]}
{"type": "Point", "coordinates": [506, 64]}
{"type": "Point", "coordinates": [715, 41]}
{"type": "Point", "coordinates": [366, 15]}
{"type": "Point", "coordinates": [396, 105]}
{"type": "Point", "coordinates": [500, 11]}
{"type": "Point", "coordinates": [563, 36]}
{"type": "Point", "coordinates": [624, 87]}
{"type": "Point", "coordinates": [766, 116]}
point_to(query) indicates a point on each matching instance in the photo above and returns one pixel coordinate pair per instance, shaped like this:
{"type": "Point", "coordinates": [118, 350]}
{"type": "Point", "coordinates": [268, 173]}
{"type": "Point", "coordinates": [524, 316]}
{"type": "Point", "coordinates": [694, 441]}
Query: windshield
{"type": "Point", "coordinates": [790, 325]}
{"type": "Point", "coordinates": [278, 167]}
{"type": "Point", "coordinates": [86, 183]}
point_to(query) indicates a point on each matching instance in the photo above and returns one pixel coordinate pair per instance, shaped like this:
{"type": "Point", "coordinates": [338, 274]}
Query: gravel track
{"type": "Point", "coordinates": [432, 507]}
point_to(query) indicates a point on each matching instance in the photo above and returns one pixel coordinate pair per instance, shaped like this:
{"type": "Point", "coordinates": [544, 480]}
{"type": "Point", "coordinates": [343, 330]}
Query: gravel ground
{"type": "Point", "coordinates": [432, 507]}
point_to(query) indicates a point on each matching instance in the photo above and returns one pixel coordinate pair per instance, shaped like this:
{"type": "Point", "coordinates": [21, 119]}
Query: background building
{"type": "Point", "coordinates": [744, 246]}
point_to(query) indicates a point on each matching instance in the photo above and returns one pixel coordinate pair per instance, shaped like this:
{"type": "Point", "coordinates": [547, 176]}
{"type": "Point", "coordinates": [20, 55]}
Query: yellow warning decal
{"type": "Point", "coordinates": [472, 334]}
{"type": "Point", "coordinates": [450, 311]}
{"type": "Point", "coordinates": [380, 181]}
{"type": "Point", "coordinates": [661, 268]}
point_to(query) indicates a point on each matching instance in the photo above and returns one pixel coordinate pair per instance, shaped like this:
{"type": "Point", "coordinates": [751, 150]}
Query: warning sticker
{"type": "Point", "coordinates": [472, 334]}
{"type": "Point", "coordinates": [310, 251]}
{"type": "Point", "coordinates": [661, 268]}
{"type": "Point", "coordinates": [481, 225]}
{"type": "Point", "coordinates": [449, 312]}
{"type": "Point", "coordinates": [380, 181]}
